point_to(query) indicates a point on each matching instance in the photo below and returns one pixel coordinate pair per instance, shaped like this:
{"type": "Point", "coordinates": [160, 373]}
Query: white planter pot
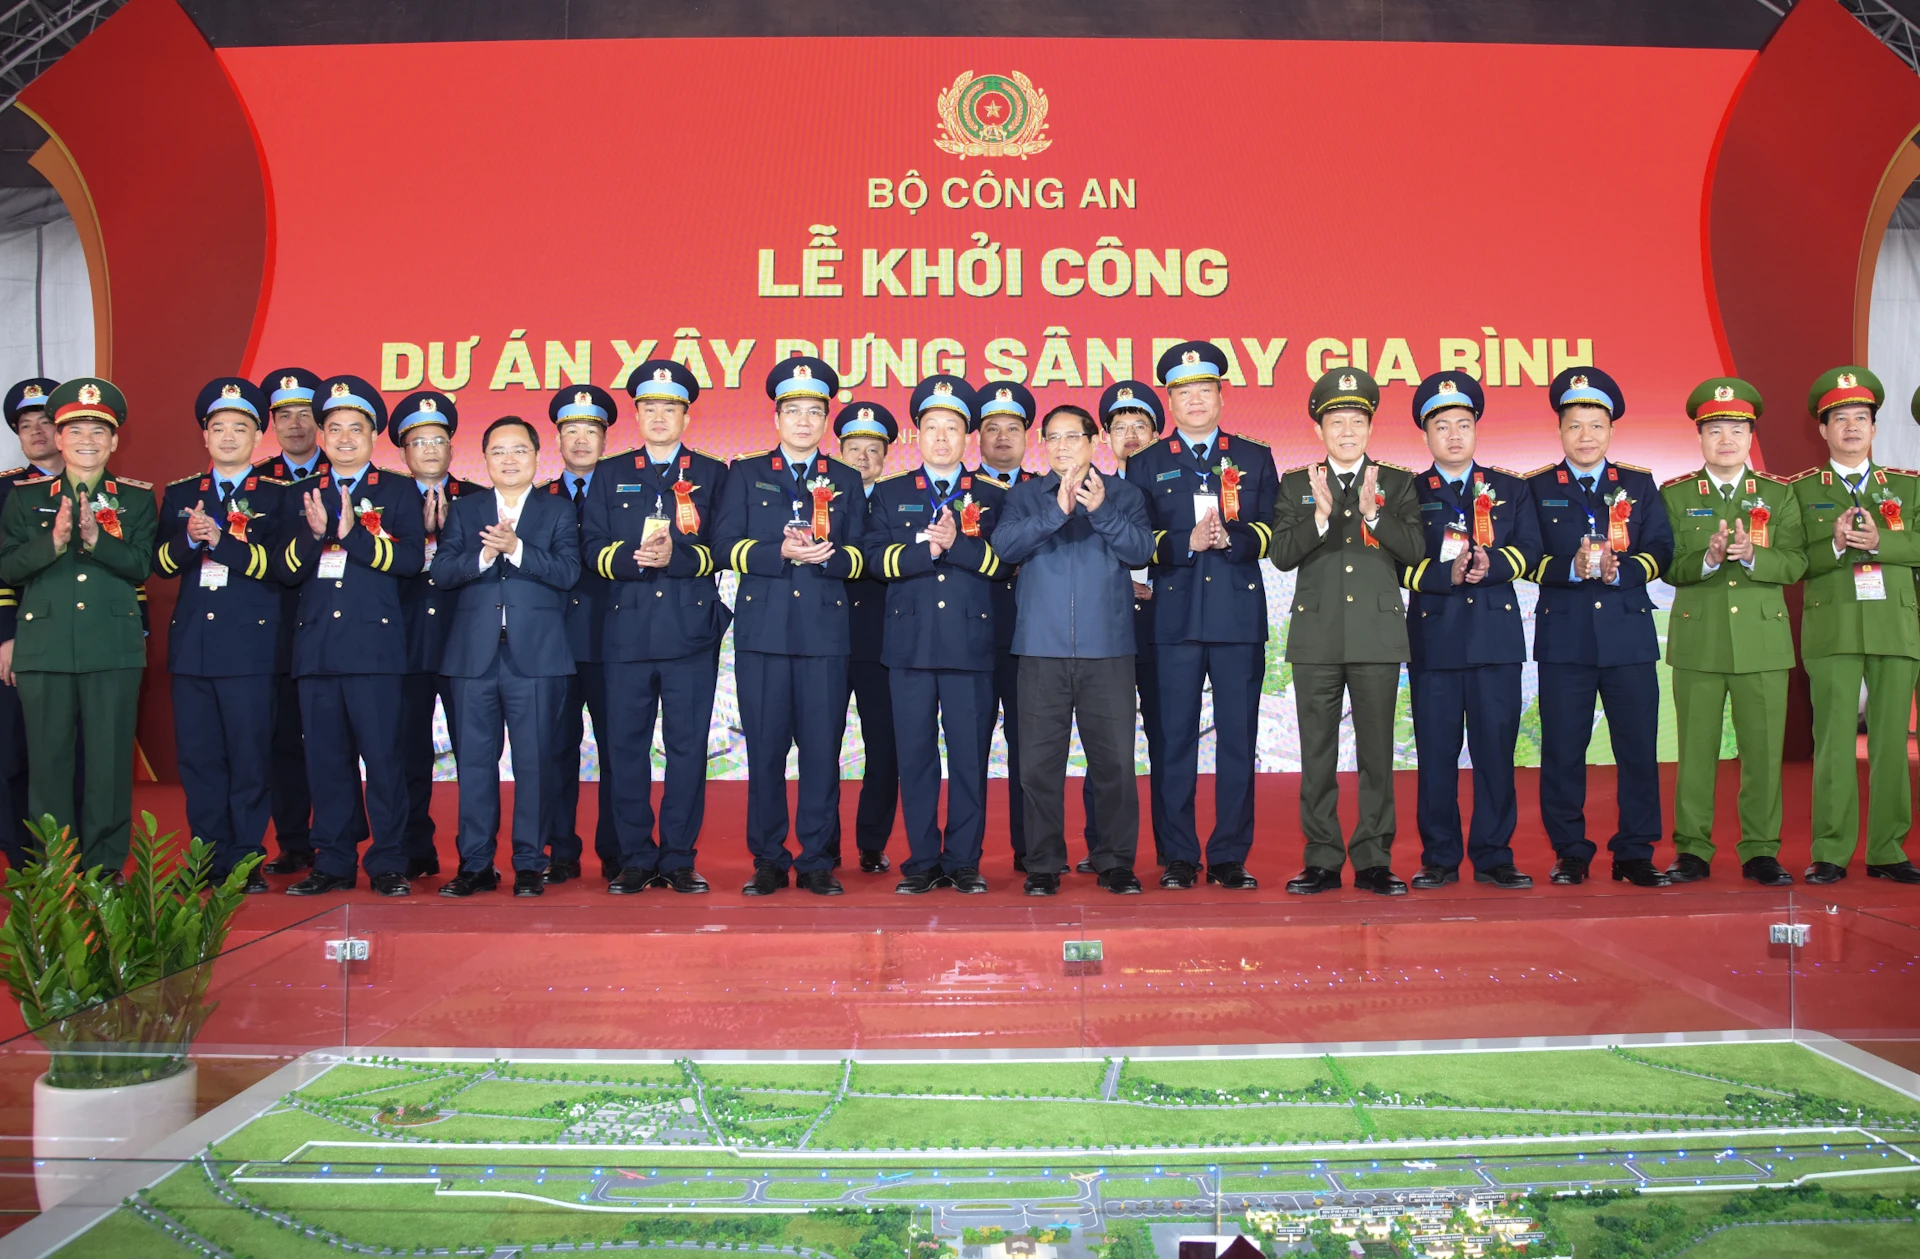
{"type": "Point", "coordinates": [70, 1125]}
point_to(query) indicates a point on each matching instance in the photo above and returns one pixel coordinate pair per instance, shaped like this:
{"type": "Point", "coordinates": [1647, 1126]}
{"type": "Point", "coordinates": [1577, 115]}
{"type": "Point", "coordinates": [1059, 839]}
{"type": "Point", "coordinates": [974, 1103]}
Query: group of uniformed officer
{"type": "Point", "coordinates": [307, 639]}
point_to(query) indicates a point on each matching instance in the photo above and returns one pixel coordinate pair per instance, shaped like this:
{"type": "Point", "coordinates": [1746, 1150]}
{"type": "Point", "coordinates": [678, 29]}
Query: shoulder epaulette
{"type": "Point", "coordinates": [706, 454]}
{"type": "Point", "coordinates": [1301, 468]}
{"type": "Point", "coordinates": [1158, 441]}
{"type": "Point", "coordinates": [541, 486]}
{"type": "Point", "coordinates": [1537, 471]}
{"type": "Point", "coordinates": [10, 473]}
{"type": "Point", "coordinates": [33, 480]}
{"type": "Point", "coordinates": [1518, 476]}
{"type": "Point", "coordinates": [1684, 476]}
{"type": "Point", "coordinates": [1903, 471]}
{"type": "Point", "coordinates": [1631, 467]}
{"type": "Point", "coordinates": [191, 476]}
{"type": "Point", "coordinates": [895, 476]}
{"type": "Point", "coordinates": [842, 462]}
{"type": "Point", "coordinates": [618, 454]}
{"type": "Point", "coordinates": [1801, 476]}
{"type": "Point", "coordinates": [1242, 437]}
{"type": "Point", "coordinates": [138, 485]}
{"type": "Point", "coordinates": [1769, 476]}
{"type": "Point", "coordinates": [1396, 467]}
{"type": "Point", "coordinates": [752, 454]}
{"type": "Point", "coordinates": [270, 480]}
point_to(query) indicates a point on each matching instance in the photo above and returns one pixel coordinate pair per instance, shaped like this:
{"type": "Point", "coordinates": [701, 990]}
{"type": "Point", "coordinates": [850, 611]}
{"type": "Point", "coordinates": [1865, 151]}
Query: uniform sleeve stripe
{"type": "Point", "coordinates": [858, 561]}
{"type": "Point", "coordinates": [604, 561]}
{"type": "Point", "coordinates": [1156, 544]}
{"type": "Point", "coordinates": [1541, 572]}
{"type": "Point", "coordinates": [738, 560]}
{"type": "Point", "coordinates": [706, 560]}
{"type": "Point", "coordinates": [1650, 564]}
{"type": "Point", "coordinates": [293, 556]}
{"type": "Point", "coordinates": [890, 560]}
{"type": "Point", "coordinates": [989, 562]}
{"type": "Point", "coordinates": [1264, 532]}
{"type": "Point", "coordinates": [257, 561]}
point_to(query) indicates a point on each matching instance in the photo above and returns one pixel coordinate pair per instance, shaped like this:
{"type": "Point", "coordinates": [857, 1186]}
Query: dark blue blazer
{"type": "Point", "coordinates": [353, 625]}
{"type": "Point", "coordinates": [1006, 608]}
{"type": "Point", "coordinates": [1592, 622]}
{"type": "Point", "coordinates": [783, 608]}
{"type": "Point", "coordinates": [424, 605]}
{"type": "Point", "coordinates": [233, 630]}
{"type": "Point", "coordinates": [939, 611]}
{"type": "Point", "coordinates": [655, 613]}
{"type": "Point", "coordinates": [1212, 596]}
{"type": "Point", "coordinates": [278, 469]}
{"type": "Point", "coordinates": [531, 595]}
{"type": "Point", "coordinates": [587, 603]}
{"type": "Point", "coordinates": [1457, 627]}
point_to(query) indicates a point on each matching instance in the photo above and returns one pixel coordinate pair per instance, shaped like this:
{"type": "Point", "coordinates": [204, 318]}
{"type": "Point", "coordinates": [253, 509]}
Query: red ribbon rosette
{"type": "Point", "coordinates": [1483, 515]}
{"type": "Point", "coordinates": [1229, 491]}
{"type": "Point", "coordinates": [822, 498]}
{"type": "Point", "coordinates": [1618, 513]}
{"type": "Point", "coordinates": [685, 514]}
{"type": "Point", "coordinates": [369, 518]}
{"type": "Point", "coordinates": [1366, 534]}
{"type": "Point", "coordinates": [109, 518]}
{"type": "Point", "coordinates": [1757, 519]}
{"type": "Point", "coordinates": [1889, 512]}
{"type": "Point", "coordinates": [970, 517]}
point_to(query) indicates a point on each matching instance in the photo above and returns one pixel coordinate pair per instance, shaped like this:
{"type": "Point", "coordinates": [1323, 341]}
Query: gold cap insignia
{"type": "Point", "coordinates": [663, 374]}
{"type": "Point", "coordinates": [32, 391]}
{"type": "Point", "coordinates": [1191, 356]}
{"type": "Point", "coordinates": [289, 382]}
{"type": "Point", "coordinates": [90, 394]}
{"type": "Point", "coordinates": [1004, 395]}
{"type": "Point", "coordinates": [583, 399]}
{"type": "Point", "coordinates": [1723, 393]}
{"type": "Point", "coordinates": [1447, 386]}
{"type": "Point", "coordinates": [342, 390]}
{"type": "Point", "coordinates": [942, 388]}
{"type": "Point", "coordinates": [1847, 380]}
{"type": "Point", "coordinates": [1349, 382]}
{"type": "Point", "coordinates": [229, 391]}
{"type": "Point", "coordinates": [428, 404]}
{"type": "Point", "coordinates": [1578, 382]}
{"type": "Point", "coordinates": [866, 413]}
{"type": "Point", "coordinates": [803, 372]}
{"type": "Point", "coordinates": [1123, 395]}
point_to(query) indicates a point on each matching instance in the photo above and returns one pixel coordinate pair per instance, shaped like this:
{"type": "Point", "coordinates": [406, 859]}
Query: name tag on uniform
{"type": "Point", "coordinates": [1823, 507]}
{"type": "Point", "coordinates": [333, 564]}
{"type": "Point", "coordinates": [762, 485]}
{"type": "Point", "coordinates": [1433, 507]}
{"type": "Point", "coordinates": [1700, 511]}
{"type": "Point", "coordinates": [1169, 476]}
{"type": "Point", "coordinates": [1869, 582]}
{"type": "Point", "coordinates": [1308, 498]}
{"type": "Point", "coordinates": [432, 549]}
{"type": "Point", "coordinates": [212, 576]}
{"type": "Point", "coordinates": [1454, 543]}
{"type": "Point", "coordinates": [638, 489]}
{"type": "Point", "coordinates": [908, 506]}
{"type": "Point", "coordinates": [1204, 503]}
{"type": "Point", "coordinates": [1553, 502]}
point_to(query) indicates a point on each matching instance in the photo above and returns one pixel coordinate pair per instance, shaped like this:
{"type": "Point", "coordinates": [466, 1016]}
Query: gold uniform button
{"type": "Point", "coordinates": [943, 603]}
{"type": "Point", "coordinates": [383, 620]}
{"type": "Point", "coordinates": [1349, 568]}
{"type": "Point", "coordinates": [1347, 512]}
{"type": "Point", "coordinates": [1209, 579]}
{"type": "Point", "coordinates": [1733, 609]}
{"type": "Point", "coordinates": [1349, 598]}
{"type": "Point", "coordinates": [81, 606]}
{"type": "Point", "coordinates": [338, 584]}
{"type": "Point", "coordinates": [941, 577]}
{"type": "Point", "coordinates": [209, 616]}
{"type": "Point", "coordinates": [796, 594]}
{"type": "Point", "coordinates": [81, 577]}
{"type": "Point", "coordinates": [336, 614]}
{"type": "Point", "coordinates": [1596, 603]}
{"type": "Point", "coordinates": [432, 611]}
{"type": "Point", "coordinates": [1732, 582]}
{"type": "Point", "coordinates": [1469, 598]}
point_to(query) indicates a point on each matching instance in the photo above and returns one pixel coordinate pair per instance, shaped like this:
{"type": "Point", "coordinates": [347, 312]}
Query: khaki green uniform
{"type": "Point", "coordinates": [1728, 635]}
{"type": "Point", "coordinates": [79, 651]}
{"type": "Point", "coordinates": [1845, 640]}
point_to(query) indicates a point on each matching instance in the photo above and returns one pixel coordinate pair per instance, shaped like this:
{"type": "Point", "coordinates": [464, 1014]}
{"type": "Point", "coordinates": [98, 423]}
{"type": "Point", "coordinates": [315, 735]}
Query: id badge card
{"type": "Point", "coordinates": [1204, 503]}
{"type": "Point", "coordinates": [1869, 582]}
{"type": "Point", "coordinates": [333, 564]}
{"type": "Point", "coordinates": [1595, 545]}
{"type": "Point", "coordinates": [1138, 574]}
{"type": "Point", "coordinates": [432, 549]}
{"type": "Point", "coordinates": [654, 524]}
{"type": "Point", "coordinates": [213, 575]}
{"type": "Point", "coordinates": [1454, 543]}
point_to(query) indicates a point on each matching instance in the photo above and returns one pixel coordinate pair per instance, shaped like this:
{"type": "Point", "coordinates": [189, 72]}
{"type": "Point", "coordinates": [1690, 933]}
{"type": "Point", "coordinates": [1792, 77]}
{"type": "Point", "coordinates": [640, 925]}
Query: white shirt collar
{"type": "Point", "coordinates": [1347, 471]}
{"type": "Point", "coordinates": [1718, 483]}
{"type": "Point", "coordinates": [507, 513]}
{"type": "Point", "coordinates": [1851, 473]}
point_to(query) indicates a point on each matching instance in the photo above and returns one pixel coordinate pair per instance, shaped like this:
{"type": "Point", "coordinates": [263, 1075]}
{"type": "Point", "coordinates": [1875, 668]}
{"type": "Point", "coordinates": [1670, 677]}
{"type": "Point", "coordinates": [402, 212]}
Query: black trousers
{"type": "Point", "coordinates": [292, 800]}
{"type": "Point", "coordinates": [1320, 692]}
{"type": "Point", "coordinates": [14, 839]}
{"type": "Point", "coordinates": [880, 785]}
{"type": "Point", "coordinates": [418, 691]}
{"type": "Point", "coordinates": [1054, 692]}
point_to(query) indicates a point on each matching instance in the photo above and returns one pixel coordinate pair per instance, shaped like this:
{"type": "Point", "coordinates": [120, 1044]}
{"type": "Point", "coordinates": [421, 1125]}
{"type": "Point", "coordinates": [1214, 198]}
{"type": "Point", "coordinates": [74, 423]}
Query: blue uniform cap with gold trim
{"type": "Point", "coordinates": [660, 379]}
{"type": "Point", "coordinates": [1131, 395]}
{"type": "Point", "coordinates": [1191, 361]}
{"type": "Point", "coordinates": [231, 393]}
{"type": "Point", "coordinates": [945, 393]}
{"type": "Point", "coordinates": [588, 403]}
{"type": "Point", "coordinates": [351, 393]}
{"type": "Point", "coordinates": [1005, 397]}
{"type": "Point", "coordinates": [1586, 386]}
{"type": "Point", "coordinates": [289, 387]}
{"type": "Point", "coordinates": [1447, 389]}
{"type": "Point", "coordinates": [801, 377]}
{"type": "Point", "coordinates": [425, 407]}
{"type": "Point", "coordinates": [28, 395]}
{"type": "Point", "coordinates": [866, 419]}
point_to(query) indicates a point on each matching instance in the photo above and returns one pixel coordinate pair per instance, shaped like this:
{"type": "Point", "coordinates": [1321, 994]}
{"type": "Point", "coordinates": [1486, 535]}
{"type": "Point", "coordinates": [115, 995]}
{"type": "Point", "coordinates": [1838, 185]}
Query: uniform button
{"type": "Point", "coordinates": [1596, 603]}
{"type": "Point", "coordinates": [81, 577]}
{"type": "Point", "coordinates": [1349, 568]}
{"type": "Point", "coordinates": [943, 603]}
{"type": "Point", "coordinates": [1469, 598]}
{"type": "Point", "coordinates": [1732, 582]}
{"type": "Point", "coordinates": [338, 584]}
{"type": "Point", "coordinates": [796, 594]}
{"type": "Point", "coordinates": [1349, 541]}
{"type": "Point", "coordinates": [263, 620]}
{"type": "Point", "coordinates": [659, 594]}
{"type": "Point", "coordinates": [383, 620]}
{"type": "Point", "coordinates": [1733, 609]}
{"type": "Point", "coordinates": [336, 614]}
{"type": "Point", "coordinates": [941, 577]}
{"type": "Point", "coordinates": [81, 606]}
{"type": "Point", "coordinates": [209, 616]}
{"type": "Point", "coordinates": [1347, 512]}
{"type": "Point", "coordinates": [1349, 598]}
{"type": "Point", "coordinates": [1249, 585]}
{"type": "Point", "coordinates": [838, 604]}
{"type": "Point", "coordinates": [749, 598]}
{"type": "Point", "coordinates": [1209, 579]}
{"type": "Point", "coordinates": [1509, 607]}
{"type": "Point", "coordinates": [432, 611]}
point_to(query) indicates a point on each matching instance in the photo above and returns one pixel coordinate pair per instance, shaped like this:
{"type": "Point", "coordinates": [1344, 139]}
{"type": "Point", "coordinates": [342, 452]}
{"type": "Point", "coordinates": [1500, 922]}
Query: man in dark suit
{"type": "Point", "coordinates": [866, 430]}
{"type": "Point", "coordinates": [1349, 524]}
{"type": "Point", "coordinates": [509, 557]}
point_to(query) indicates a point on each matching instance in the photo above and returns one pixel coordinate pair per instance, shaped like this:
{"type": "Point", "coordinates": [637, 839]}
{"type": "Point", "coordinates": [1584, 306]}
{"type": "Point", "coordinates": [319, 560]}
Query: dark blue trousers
{"type": "Point", "coordinates": [223, 739]}
{"type": "Point", "coordinates": [13, 778]}
{"type": "Point", "coordinates": [680, 692]}
{"type": "Point", "coordinates": [880, 785]}
{"type": "Point", "coordinates": [587, 688]}
{"type": "Point", "coordinates": [785, 702]}
{"type": "Point", "coordinates": [347, 720]}
{"type": "Point", "coordinates": [959, 702]}
{"type": "Point", "coordinates": [501, 700]}
{"type": "Point", "coordinates": [1006, 699]}
{"type": "Point", "coordinates": [418, 691]}
{"type": "Point", "coordinates": [1630, 696]}
{"type": "Point", "coordinates": [1236, 670]}
{"type": "Point", "coordinates": [1485, 702]}
{"type": "Point", "coordinates": [292, 801]}
{"type": "Point", "coordinates": [1147, 688]}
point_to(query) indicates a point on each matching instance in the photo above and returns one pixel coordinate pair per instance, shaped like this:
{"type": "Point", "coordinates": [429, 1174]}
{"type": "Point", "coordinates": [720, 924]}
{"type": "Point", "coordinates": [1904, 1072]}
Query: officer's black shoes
{"type": "Point", "coordinates": [1688, 868]}
{"type": "Point", "coordinates": [1042, 885]}
{"type": "Point", "coordinates": [967, 881]}
{"type": "Point", "coordinates": [561, 871]}
{"type": "Point", "coordinates": [421, 867]}
{"type": "Point", "coordinates": [1121, 881]}
{"type": "Point", "coordinates": [873, 861]}
{"type": "Point", "coordinates": [392, 883]}
{"type": "Point", "coordinates": [1898, 871]}
{"type": "Point", "coordinates": [920, 884]}
{"type": "Point", "coordinates": [1380, 880]}
{"type": "Point", "coordinates": [1083, 866]}
{"type": "Point", "coordinates": [1431, 878]}
{"type": "Point", "coordinates": [1313, 879]}
{"type": "Point", "coordinates": [1231, 874]}
{"type": "Point", "coordinates": [256, 883]}
{"type": "Point", "coordinates": [630, 882]}
{"type": "Point", "coordinates": [767, 879]}
{"type": "Point", "coordinates": [1822, 872]}
{"type": "Point", "coordinates": [609, 871]}
{"type": "Point", "coordinates": [1180, 874]}
{"type": "Point", "coordinates": [1568, 872]}
{"type": "Point", "coordinates": [528, 883]}
{"type": "Point", "coordinates": [686, 881]}
{"type": "Point", "coordinates": [317, 884]}
{"type": "Point", "coordinates": [1504, 876]}
{"type": "Point", "coordinates": [467, 882]}
{"type": "Point", "coordinates": [1766, 872]}
{"type": "Point", "coordinates": [288, 863]}
{"type": "Point", "coordinates": [1640, 873]}
{"type": "Point", "coordinates": [819, 882]}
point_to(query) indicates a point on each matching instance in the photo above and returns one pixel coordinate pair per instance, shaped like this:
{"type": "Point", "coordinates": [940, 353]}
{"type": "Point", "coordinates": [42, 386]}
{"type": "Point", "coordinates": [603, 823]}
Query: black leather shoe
{"type": "Point", "coordinates": [1687, 868]}
{"type": "Point", "coordinates": [1019, 865]}
{"type": "Point", "coordinates": [528, 883]}
{"type": "Point", "coordinates": [1504, 876]}
{"type": "Point", "coordinates": [561, 871]}
{"type": "Point", "coordinates": [1042, 885]}
{"type": "Point", "coordinates": [967, 881]}
{"type": "Point", "coordinates": [767, 879]}
{"type": "Point", "coordinates": [1380, 880]}
{"type": "Point", "coordinates": [1766, 872]}
{"type": "Point", "coordinates": [609, 871]}
{"type": "Point", "coordinates": [1083, 866]}
{"type": "Point", "coordinates": [1231, 874]}
{"type": "Point", "coordinates": [1432, 877]}
{"type": "Point", "coordinates": [686, 881]}
{"type": "Point", "coordinates": [630, 882]}
{"type": "Point", "coordinates": [1568, 872]}
{"type": "Point", "coordinates": [1823, 872]}
{"type": "Point", "coordinates": [1640, 874]}
{"type": "Point", "coordinates": [317, 883]}
{"type": "Point", "coordinates": [920, 884]}
{"type": "Point", "coordinates": [1180, 874]}
{"type": "Point", "coordinates": [467, 882]}
{"type": "Point", "coordinates": [820, 883]}
{"type": "Point", "coordinates": [421, 867]}
{"type": "Point", "coordinates": [392, 883]}
{"type": "Point", "coordinates": [256, 883]}
{"type": "Point", "coordinates": [1121, 881]}
{"type": "Point", "coordinates": [1312, 880]}
{"type": "Point", "coordinates": [1898, 871]}
{"type": "Point", "coordinates": [288, 863]}
{"type": "Point", "coordinates": [874, 862]}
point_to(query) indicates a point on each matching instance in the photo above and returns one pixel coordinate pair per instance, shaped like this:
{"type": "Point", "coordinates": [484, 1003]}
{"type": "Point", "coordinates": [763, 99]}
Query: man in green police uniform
{"type": "Point", "coordinates": [77, 546]}
{"type": "Point", "coordinates": [1859, 624]}
{"type": "Point", "coordinates": [1737, 540]}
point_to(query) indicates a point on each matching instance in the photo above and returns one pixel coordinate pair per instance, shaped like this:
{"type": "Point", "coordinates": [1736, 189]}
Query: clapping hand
{"type": "Point", "coordinates": [496, 540]}
{"type": "Point", "coordinates": [1477, 572]}
{"type": "Point", "coordinates": [201, 527]}
{"type": "Point", "coordinates": [1370, 493]}
{"type": "Point", "coordinates": [1092, 491]}
{"type": "Point", "coordinates": [1740, 550]}
{"type": "Point", "coordinates": [89, 524]}
{"type": "Point", "coordinates": [942, 532]}
{"type": "Point", "coordinates": [316, 511]}
{"type": "Point", "coordinates": [1717, 548]}
{"type": "Point", "coordinates": [1609, 565]}
{"type": "Point", "coordinates": [1207, 533]}
{"type": "Point", "coordinates": [63, 525]}
{"type": "Point", "coordinates": [656, 551]}
{"type": "Point", "coordinates": [346, 513]}
{"type": "Point", "coordinates": [1322, 493]}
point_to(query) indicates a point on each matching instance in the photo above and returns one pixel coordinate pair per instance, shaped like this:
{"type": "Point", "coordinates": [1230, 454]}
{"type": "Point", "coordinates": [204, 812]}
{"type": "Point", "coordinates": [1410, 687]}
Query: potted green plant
{"type": "Point", "coordinates": [112, 977]}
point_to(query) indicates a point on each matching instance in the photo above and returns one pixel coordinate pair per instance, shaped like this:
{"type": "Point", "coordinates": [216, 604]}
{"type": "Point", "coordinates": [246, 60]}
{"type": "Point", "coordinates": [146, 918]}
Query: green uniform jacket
{"type": "Point", "coordinates": [1348, 607]}
{"type": "Point", "coordinates": [1834, 622]}
{"type": "Point", "coordinates": [80, 609]}
{"type": "Point", "coordinates": [1734, 619]}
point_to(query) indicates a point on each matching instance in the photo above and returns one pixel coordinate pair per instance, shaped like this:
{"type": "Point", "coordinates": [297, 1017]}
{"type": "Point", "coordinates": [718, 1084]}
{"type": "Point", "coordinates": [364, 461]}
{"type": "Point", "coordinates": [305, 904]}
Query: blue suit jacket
{"type": "Point", "coordinates": [353, 625]}
{"type": "Point", "coordinates": [232, 630]}
{"type": "Point", "coordinates": [1592, 622]}
{"type": "Point", "coordinates": [655, 613]}
{"type": "Point", "coordinates": [1211, 596]}
{"type": "Point", "coordinates": [783, 608]}
{"type": "Point", "coordinates": [1456, 627]}
{"type": "Point", "coordinates": [939, 611]}
{"type": "Point", "coordinates": [531, 596]}
{"type": "Point", "coordinates": [424, 605]}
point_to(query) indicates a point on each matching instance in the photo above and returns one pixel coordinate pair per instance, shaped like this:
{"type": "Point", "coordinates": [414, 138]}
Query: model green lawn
{"type": "Point", "coordinates": [999, 1079]}
{"type": "Point", "coordinates": [823, 1077]}
{"type": "Point", "coordinates": [1811, 1241]}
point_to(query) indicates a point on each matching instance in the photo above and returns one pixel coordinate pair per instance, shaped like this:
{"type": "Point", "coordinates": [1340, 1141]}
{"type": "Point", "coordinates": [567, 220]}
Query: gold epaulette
{"type": "Point", "coordinates": [1302, 468]}
{"type": "Point", "coordinates": [1242, 437]}
{"type": "Point", "coordinates": [1684, 476]}
{"type": "Point", "coordinates": [616, 454]}
{"type": "Point", "coordinates": [1633, 467]}
{"type": "Point", "coordinates": [269, 480]}
{"type": "Point", "coordinates": [1537, 471]}
{"type": "Point", "coordinates": [1801, 476]}
{"type": "Point", "coordinates": [1769, 476]}
{"type": "Point", "coordinates": [138, 485]}
{"type": "Point", "coordinates": [704, 453]}
{"type": "Point", "coordinates": [895, 476]}
{"type": "Point", "coordinates": [1505, 472]}
{"type": "Point", "coordinates": [1396, 467]}
{"type": "Point", "coordinates": [35, 480]}
{"type": "Point", "coordinates": [752, 454]}
{"type": "Point", "coordinates": [10, 473]}
{"type": "Point", "coordinates": [191, 476]}
{"type": "Point", "coordinates": [1903, 471]}
{"type": "Point", "coordinates": [1149, 446]}
{"type": "Point", "coordinates": [837, 459]}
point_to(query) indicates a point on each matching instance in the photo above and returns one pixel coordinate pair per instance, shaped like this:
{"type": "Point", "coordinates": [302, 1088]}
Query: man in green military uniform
{"type": "Point", "coordinates": [77, 546]}
{"type": "Point", "coordinates": [1859, 624]}
{"type": "Point", "coordinates": [1349, 524]}
{"type": "Point", "coordinates": [1737, 541]}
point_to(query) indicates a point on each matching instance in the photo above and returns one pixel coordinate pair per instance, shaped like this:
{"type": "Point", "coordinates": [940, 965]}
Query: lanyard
{"type": "Point", "coordinates": [935, 503]}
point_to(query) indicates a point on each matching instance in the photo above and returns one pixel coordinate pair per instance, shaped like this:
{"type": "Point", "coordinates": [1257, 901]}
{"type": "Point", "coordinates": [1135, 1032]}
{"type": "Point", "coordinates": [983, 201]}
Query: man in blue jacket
{"type": "Point", "coordinates": [508, 557]}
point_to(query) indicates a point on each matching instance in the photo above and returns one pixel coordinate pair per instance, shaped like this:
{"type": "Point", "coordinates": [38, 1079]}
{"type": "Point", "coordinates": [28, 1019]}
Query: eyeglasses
{"type": "Point", "coordinates": [804, 413]}
{"type": "Point", "coordinates": [1065, 439]}
{"type": "Point", "coordinates": [517, 452]}
{"type": "Point", "coordinates": [425, 443]}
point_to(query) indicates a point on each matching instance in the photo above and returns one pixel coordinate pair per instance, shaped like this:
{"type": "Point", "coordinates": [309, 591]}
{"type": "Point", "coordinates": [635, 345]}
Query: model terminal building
{"type": "Point", "coordinates": [1437, 1224]}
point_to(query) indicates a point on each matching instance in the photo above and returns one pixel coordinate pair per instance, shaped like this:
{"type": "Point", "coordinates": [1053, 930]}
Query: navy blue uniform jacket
{"type": "Point", "coordinates": [353, 625]}
{"type": "Point", "coordinates": [1457, 627]}
{"type": "Point", "coordinates": [655, 613]}
{"type": "Point", "coordinates": [232, 630]}
{"type": "Point", "coordinates": [1592, 622]}
{"type": "Point", "coordinates": [784, 608]}
{"type": "Point", "coordinates": [939, 611]}
{"type": "Point", "coordinates": [1213, 596]}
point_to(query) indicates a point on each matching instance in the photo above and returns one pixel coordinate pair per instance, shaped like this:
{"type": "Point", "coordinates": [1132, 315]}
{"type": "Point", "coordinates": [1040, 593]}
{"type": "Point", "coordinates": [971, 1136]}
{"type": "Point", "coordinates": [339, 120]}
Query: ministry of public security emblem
{"type": "Point", "coordinates": [1723, 393]}
{"type": "Point", "coordinates": [994, 115]}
